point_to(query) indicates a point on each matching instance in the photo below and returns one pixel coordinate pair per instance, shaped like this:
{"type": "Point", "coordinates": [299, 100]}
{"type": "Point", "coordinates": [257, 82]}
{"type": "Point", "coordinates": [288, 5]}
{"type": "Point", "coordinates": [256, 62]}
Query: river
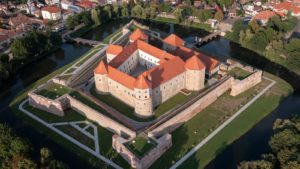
{"type": "Point", "coordinates": [247, 147]}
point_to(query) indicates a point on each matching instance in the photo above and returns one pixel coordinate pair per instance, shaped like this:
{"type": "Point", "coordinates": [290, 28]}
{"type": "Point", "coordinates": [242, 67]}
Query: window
{"type": "Point", "coordinates": [145, 97]}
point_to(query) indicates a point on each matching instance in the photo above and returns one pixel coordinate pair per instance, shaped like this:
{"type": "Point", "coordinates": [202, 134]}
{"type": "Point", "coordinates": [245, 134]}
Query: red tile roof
{"type": "Point", "coordinates": [101, 68]}
{"type": "Point", "coordinates": [51, 9]}
{"type": "Point", "coordinates": [174, 40]}
{"type": "Point", "coordinates": [264, 15]}
{"type": "Point", "coordinates": [288, 6]}
{"type": "Point", "coordinates": [120, 77]}
{"type": "Point", "coordinates": [194, 63]}
{"type": "Point", "coordinates": [185, 53]}
{"type": "Point", "coordinates": [141, 45]}
{"type": "Point", "coordinates": [138, 34]}
{"type": "Point", "coordinates": [114, 49]}
{"type": "Point", "coordinates": [142, 83]}
{"type": "Point", "coordinates": [85, 4]}
{"type": "Point", "coordinates": [166, 71]}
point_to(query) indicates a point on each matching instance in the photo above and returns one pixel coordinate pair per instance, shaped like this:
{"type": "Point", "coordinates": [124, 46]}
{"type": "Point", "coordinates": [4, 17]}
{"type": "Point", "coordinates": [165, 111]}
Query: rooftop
{"type": "Point", "coordinates": [174, 40]}
{"type": "Point", "coordinates": [51, 9]}
{"type": "Point", "coordinates": [138, 34]}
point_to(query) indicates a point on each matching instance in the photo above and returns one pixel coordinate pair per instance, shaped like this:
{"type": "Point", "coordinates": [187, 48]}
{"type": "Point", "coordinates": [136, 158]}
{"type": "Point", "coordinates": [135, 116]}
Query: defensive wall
{"type": "Point", "coordinates": [55, 106]}
{"type": "Point", "coordinates": [162, 145]}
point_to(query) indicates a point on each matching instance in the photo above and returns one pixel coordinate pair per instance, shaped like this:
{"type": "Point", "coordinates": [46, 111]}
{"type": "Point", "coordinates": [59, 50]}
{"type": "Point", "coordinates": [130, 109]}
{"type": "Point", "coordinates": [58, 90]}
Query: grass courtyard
{"type": "Point", "coordinates": [239, 73]}
{"type": "Point", "coordinates": [140, 146]}
{"type": "Point", "coordinates": [53, 91]}
{"type": "Point", "coordinates": [194, 131]}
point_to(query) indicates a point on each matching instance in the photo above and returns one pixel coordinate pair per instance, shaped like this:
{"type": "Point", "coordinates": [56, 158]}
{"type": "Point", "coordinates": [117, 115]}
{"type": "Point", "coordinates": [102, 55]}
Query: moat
{"type": "Point", "coordinates": [220, 47]}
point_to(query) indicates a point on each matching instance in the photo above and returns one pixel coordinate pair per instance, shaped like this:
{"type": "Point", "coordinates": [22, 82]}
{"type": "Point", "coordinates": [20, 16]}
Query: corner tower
{"type": "Point", "coordinates": [100, 75]}
{"type": "Point", "coordinates": [143, 97]}
{"type": "Point", "coordinates": [195, 74]}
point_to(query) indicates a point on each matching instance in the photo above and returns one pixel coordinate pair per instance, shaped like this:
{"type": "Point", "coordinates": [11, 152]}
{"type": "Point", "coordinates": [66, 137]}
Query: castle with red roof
{"type": "Point", "coordinates": [144, 76]}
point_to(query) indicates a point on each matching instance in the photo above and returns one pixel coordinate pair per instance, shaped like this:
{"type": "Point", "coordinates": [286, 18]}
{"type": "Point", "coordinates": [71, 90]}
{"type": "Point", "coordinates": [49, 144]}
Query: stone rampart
{"type": "Point", "coordinates": [163, 144]}
{"type": "Point", "coordinates": [56, 106]}
{"type": "Point", "coordinates": [101, 119]}
{"type": "Point", "coordinates": [239, 86]}
{"type": "Point", "coordinates": [192, 110]}
{"type": "Point", "coordinates": [59, 81]}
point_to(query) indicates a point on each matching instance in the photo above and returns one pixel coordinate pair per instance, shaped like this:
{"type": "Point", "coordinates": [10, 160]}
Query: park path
{"type": "Point", "coordinates": [215, 132]}
{"type": "Point", "coordinates": [50, 126]}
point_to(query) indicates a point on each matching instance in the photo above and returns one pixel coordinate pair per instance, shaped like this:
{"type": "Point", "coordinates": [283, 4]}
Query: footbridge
{"type": "Point", "coordinates": [200, 41]}
{"type": "Point", "coordinates": [84, 41]}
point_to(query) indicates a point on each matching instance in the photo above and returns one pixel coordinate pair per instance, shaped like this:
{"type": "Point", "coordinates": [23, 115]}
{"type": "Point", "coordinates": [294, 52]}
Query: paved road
{"type": "Point", "coordinates": [99, 156]}
{"type": "Point", "coordinates": [209, 137]}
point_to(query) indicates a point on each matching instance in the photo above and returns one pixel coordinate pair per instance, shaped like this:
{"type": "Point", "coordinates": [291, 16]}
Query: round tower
{"type": "Point", "coordinates": [143, 99]}
{"type": "Point", "coordinates": [195, 74]}
{"type": "Point", "coordinates": [100, 75]}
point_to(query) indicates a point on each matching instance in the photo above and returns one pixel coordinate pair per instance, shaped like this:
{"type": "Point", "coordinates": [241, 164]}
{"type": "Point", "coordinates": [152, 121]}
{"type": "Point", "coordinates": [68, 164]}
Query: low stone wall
{"type": "Point", "coordinates": [59, 81]}
{"type": "Point", "coordinates": [163, 144]}
{"type": "Point", "coordinates": [239, 86]}
{"type": "Point", "coordinates": [192, 110]}
{"type": "Point", "coordinates": [101, 119]}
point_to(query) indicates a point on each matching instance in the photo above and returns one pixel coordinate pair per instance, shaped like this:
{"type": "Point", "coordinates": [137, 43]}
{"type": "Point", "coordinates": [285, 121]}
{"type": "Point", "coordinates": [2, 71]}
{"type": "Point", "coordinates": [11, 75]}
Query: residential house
{"type": "Point", "coordinates": [51, 12]}
{"type": "Point", "coordinates": [285, 7]}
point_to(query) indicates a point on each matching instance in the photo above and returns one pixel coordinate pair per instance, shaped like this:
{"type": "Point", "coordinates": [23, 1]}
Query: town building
{"type": "Point", "coordinates": [51, 12]}
{"type": "Point", "coordinates": [144, 76]}
{"type": "Point", "coordinates": [285, 7]}
{"type": "Point", "coordinates": [264, 16]}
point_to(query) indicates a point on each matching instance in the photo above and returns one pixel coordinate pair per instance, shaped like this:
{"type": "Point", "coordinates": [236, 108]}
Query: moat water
{"type": "Point", "coordinates": [247, 147]}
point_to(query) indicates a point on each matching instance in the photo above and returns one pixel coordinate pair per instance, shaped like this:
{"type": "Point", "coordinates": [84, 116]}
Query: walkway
{"type": "Point", "coordinates": [215, 132]}
{"type": "Point", "coordinates": [51, 126]}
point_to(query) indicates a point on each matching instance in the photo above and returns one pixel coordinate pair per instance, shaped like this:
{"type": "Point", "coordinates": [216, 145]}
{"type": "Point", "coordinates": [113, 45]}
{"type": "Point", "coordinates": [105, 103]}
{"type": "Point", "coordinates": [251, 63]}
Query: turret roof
{"type": "Point", "coordinates": [194, 63]}
{"type": "Point", "coordinates": [174, 40]}
{"type": "Point", "coordinates": [138, 34]}
{"type": "Point", "coordinates": [101, 68]}
{"type": "Point", "coordinates": [142, 82]}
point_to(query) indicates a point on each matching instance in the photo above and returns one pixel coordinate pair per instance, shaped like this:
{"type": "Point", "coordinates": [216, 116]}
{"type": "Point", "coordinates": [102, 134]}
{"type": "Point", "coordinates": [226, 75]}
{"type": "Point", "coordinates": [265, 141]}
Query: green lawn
{"type": "Point", "coordinates": [239, 73]}
{"type": "Point", "coordinates": [140, 146]}
{"type": "Point", "coordinates": [77, 135]}
{"type": "Point", "coordinates": [194, 131]}
{"type": "Point", "coordinates": [53, 91]}
{"type": "Point", "coordinates": [171, 103]}
{"type": "Point", "coordinates": [88, 55]}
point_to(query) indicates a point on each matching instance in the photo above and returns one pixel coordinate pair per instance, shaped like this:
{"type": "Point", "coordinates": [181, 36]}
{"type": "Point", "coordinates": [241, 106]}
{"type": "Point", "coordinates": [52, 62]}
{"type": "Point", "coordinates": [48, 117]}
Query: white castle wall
{"type": "Point", "coordinates": [163, 144]}
{"type": "Point", "coordinates": [121, 92]}
{"type": "Point", "coordinates": [168, 89]}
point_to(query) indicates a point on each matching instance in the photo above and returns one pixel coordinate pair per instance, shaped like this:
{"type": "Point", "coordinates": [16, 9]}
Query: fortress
{"type": "Point", "coordinates": [144, 76]}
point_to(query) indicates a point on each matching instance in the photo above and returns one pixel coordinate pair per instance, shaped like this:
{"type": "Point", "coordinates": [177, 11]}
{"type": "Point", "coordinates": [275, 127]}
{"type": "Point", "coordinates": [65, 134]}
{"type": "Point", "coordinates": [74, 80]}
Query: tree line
{"type": "Point", "coordinates": [142, 10]}
{"type": "Point", "coordinates": [15, 152]}
{"type": "Point", "coordinates": [269, 40]}
{"type": "Point", "coordinates": [28, 48]}
{"type": "Point", "coordinates": [285, 147]}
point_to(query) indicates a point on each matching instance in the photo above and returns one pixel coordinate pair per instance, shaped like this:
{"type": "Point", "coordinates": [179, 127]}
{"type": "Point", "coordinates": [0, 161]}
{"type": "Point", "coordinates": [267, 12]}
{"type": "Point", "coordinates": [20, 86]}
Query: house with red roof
{"type": "Point", "coordinates": [264, 16]}
{"type": "Point", "coordinates": [287, 6]}
{"type": "Point", "coordinates": [52, 12]}
{"type": "Point", "coordinates": [144, 76]}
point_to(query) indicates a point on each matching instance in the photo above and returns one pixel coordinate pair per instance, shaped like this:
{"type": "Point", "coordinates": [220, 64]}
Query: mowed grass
{"type": "Point", "coordinates": [77, 135]}
{"type": "Point", "coordinates": [239, 73]}
{"type": "Point", "coordinates": [53, 91]}
{"type": "Point", "coordinates": [140, 146]}
{"type": "Point", "coordinates": [194, 131]}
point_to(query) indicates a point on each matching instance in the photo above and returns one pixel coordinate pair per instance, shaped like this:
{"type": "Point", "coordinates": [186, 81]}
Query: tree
{"type": "Point", "coordinates": [125, 11]}
{"type": "Point", "coordinates": [254, 26]}
{"type": "Point", "coordinates": [86, 18]}
{"type": "Point", "coordinates": [46, 156]}
{"type": "Point", "coordinates": [18, 49]}
{"type": "Point", "coordinates": [219, 16]}
{"type": "Point", "coordinates": [70, 23]}
{"type": "Point", "coordinates": [95, 16]}
{"type": "Point", "coordinates": [107, 11]}
{"type": "Point", "coordinates": [116, 10]}
{"type": "Point", "coordinates": [137, 11]}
